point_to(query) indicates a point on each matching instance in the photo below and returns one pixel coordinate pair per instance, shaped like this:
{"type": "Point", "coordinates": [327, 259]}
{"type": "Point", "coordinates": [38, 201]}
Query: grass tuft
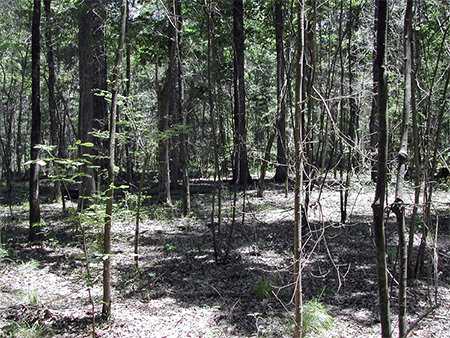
{"type": "Point", "coordinates": [261, 289]}
{"type": "Point", "coordinates": [316, 318]}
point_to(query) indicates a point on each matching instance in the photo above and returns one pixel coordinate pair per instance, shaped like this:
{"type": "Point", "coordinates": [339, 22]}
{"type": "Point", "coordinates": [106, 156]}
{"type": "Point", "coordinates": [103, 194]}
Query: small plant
{"type": "Point", "coordinates": [164, 214]}
{"type": "Point", "coordinates": [31, 296]}
{"type": "Point", "coordinates": [3, 252]}
{"type": "Point", "coordinates": [261, 289]}
{"type": "Point", "coordinates": [169, 248]}
{"type": "Point", "coordinates": [28, 267]}
{"type": "Point", "coordinates": [316, 318]}
{"type": "Point", "coordinates": [26, 330]}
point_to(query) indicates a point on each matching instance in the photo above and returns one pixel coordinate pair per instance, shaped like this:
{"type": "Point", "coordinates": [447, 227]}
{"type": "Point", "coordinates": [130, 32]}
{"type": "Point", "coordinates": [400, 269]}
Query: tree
{"type": "Point", "coordinates": [86, 105]}
{"type": "Point", "coordinates": [281, 171]}
{"type": "Point", "coordinates": [52, 107]}
{"type": "Point", "coordinates": [241, 172]}
{"type": "Point", "coordinates": [299, 206]}
{"type": "Point", "coordinates": [378, 205]}
{"type": "Point", "coordinates": [165, 102]}
{"type": "Point", "coordinates": [402, 156]}
{"type": "Point", "coordinates": [35, 214]}
{"type": "Point", "coordinates": [99, 77]}
{"type": "Point", "coordinates": [106, 310]}
{"type": "Point", "coordinates": [183, 144]}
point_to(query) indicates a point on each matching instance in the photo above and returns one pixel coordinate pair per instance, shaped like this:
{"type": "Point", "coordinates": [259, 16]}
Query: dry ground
{"type": "Point", "coordinates": [179, 290]}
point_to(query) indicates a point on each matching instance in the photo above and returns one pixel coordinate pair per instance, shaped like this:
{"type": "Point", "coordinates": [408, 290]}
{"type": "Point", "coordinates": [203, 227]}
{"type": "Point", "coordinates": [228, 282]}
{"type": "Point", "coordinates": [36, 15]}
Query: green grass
{"type": "Point", "coordinates": [261, 289]}
{"type": "Point", "coordinates": [28, 267]}
{"type": "Point", "coordinates": [30, 296]}
{"type": "Point", "coordinates": [316, 318]}
{"type": "Point", "coordinates": [25, 330]}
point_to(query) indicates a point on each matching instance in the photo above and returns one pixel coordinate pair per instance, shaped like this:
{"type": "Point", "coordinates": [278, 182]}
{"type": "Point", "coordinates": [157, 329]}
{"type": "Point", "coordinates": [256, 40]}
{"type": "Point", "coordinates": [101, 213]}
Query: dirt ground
{"type": "Point", "coordinates": [180, 291]}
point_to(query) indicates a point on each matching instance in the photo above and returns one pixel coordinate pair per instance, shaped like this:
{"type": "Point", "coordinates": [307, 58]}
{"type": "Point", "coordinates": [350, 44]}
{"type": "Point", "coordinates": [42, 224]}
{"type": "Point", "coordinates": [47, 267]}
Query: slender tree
{"type": "Point", "coordinates": [183, 144]}
{"type": "Point", "coordinates": [54, 118]}
{"type": "Point", "coordinates": [166, 98]}
{"type": "Point", "coordinates": [35, 213]}
{"type": "Point", "coordinates": [402, 156]}
{"type": "Point", "coordinates": [281, 171]}
{"type": "Point", "coordinates": [86, 105]}
{"type": "Point", "coordinates": [299, 203]}
{"type": "Point", "coordinates": [216, 226]}
{"type": "Point", "coordinates": [241, 172]}
{"type": "Point", "coordinates": [380, 193]}
{"type": "Point", "coordinates": [106, 310]}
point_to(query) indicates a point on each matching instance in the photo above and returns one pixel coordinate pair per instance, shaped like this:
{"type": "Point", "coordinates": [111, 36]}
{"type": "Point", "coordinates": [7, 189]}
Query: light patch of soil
{"type": "Point", "coordinates": [179, 290]}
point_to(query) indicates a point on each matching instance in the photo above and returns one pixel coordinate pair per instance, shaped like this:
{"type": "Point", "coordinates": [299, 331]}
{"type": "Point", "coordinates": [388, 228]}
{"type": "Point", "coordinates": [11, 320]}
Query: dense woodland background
{"type": "Point", "coordinates": [163, 100]}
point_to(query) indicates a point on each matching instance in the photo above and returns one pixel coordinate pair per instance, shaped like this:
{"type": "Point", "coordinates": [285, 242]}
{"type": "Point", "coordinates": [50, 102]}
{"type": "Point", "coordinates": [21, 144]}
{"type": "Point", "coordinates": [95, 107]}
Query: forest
{"type": "Point", "coordinates": [224, 168]}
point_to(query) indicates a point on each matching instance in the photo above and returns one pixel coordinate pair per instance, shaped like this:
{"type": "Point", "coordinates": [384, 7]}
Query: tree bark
{"type": "Point", "coordinates": [166, 103]}
{"type": "Point", "coordinates": [35, 214]}
{"type": "Point", "coordinates": [86, 105]}
{"type": "Point", "coordinates": [299, 167]}
{"type": "Point", "coordinates": [54, 119]}
{"type": "Point", "coordinates": [186, 195]}
{"type": "Point", "coordinates": [241, 173]}
{"type": "Point", "coordinates": [380, 193]}
{"type": "Point", "coordinates": [115, 83]}
{"type": "Point", "coordinates": [216, 227]}
{"type": "Point", "coordinates": [398, 207]}
{"type": "Point", "coordinates": [99, 85]}
{"type": "Point", "coordinates": [281, 170]}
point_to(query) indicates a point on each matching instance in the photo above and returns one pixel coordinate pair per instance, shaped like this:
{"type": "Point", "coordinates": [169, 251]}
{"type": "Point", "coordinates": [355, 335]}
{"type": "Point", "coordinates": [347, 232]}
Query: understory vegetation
{"type": "Point", "coordinates": [53, 288]}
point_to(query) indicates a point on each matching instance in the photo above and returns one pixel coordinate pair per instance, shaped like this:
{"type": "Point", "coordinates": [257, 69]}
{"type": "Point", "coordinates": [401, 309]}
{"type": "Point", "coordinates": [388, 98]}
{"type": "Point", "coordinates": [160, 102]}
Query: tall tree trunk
{"type": "Point", "coordinates": [431, 149]}
{"type": "Point", "coordinates": [216, 227]}
{"type": "Point", "coordinates": [165, 105]}
{"type": "Point", "coordinates": [416, 172]}
{"type": "Point", "coordinates": [299, 205]}
{"type": "Point", "coordinates": [99, 83]}
{"type": "Point", "coordinates": [99, 79]}
{"type": "Point", "coordinates": [86, 106]}
{"type": "Point", "coordinates": [128, 145]}
{"type": "Point", "coordinates": [429, 184]}
{"type": "Point", "coordinates": [281, 171]}
{"type": "Point", "coordinates": [343, 191]}
{"type": "Point", "coordinates": [106, 310]}
{"type": "Point", "coordinates": [402, 156]}
{"type": "Point", "coordinates": [186, 198]}
{"type": "Point", "coordinates": [19, 146]}
{"type": "Point", "coordinates": [54, 120]}
{"type": "Point", "coordinates": [373, 120]}
{"type": "Point", "coordinates": [380, 193]}
{"type": "Point", "coordinates": [35, 213]}
{"type": "Point", "coordinates": [241, 173]}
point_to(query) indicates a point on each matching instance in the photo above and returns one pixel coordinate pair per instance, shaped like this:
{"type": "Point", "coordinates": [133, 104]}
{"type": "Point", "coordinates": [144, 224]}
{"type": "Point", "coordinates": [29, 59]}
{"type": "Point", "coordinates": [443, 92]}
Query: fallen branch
{"type": "Point", "coordinates": [418, 320]}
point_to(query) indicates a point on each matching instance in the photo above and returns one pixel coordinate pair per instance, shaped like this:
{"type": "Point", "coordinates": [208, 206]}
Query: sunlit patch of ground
{"type": "Point", "coordinates": [179, 290]}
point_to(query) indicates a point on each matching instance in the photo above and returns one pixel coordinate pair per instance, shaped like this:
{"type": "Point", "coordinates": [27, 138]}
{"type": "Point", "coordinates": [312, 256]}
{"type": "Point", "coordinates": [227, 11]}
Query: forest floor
{"type": "Point", "coordinates": [180, 291]}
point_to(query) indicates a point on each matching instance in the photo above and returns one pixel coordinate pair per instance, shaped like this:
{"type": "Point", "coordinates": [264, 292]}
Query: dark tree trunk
{"type": "Point", "coordinates": [99, 83]}
{"type": "Point", "coordinates": [186, 198]}
{"type": "Point", "coordinates": [35, 214]}
{"type": "Point", "coordinates": [216, 226]}
{"type": "Point", "coordinates": [86, 106]}
{"type": "Point", "coordinates": [281, 171]}
{"type": "Point", "coordinates": [380, 193]}
{"type": "Point", "coordinates": [54, 119]}
{"type": "Point", "coordinates": [106, 310]}
{"type": "Point", "coordinates": [373, 120]}
{"type": "Point", "coordinates": [99, 79]}
{"type": "Point", "coordinates": [166, 105]}
{"type": "Point", "coordinates": [128, 145]}
{"type": "Point", "coordinates": [402, 156]}
{"type": "Point", "coordinates": [241, 173]}
{"type": "Point", "coordinates": [299, 202]}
